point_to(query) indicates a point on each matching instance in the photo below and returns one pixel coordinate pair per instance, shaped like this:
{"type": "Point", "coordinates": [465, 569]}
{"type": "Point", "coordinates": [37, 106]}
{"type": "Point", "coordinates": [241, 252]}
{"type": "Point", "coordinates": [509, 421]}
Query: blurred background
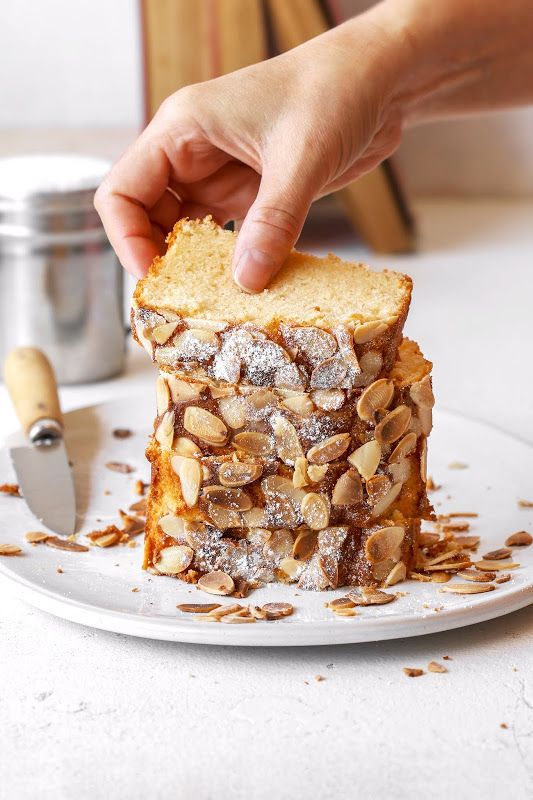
{"type": "Point", "coordinates": [76, 65]}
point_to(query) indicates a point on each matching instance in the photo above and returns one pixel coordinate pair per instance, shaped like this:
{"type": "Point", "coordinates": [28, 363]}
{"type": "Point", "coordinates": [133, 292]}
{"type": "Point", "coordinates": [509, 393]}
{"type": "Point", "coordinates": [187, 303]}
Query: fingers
{"type": "Point", "coordinates": [272, 226]}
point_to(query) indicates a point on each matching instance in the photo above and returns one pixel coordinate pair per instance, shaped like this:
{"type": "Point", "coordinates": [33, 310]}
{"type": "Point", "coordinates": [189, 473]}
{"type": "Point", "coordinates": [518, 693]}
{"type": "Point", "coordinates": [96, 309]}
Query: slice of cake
{"type": "Point", "coordinates": [290, 437]}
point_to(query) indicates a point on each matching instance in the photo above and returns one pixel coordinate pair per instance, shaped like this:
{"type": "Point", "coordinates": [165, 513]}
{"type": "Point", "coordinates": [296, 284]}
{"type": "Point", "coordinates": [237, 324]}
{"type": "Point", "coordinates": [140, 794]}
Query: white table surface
{"type": "Point", "coordinates": [90, 715]}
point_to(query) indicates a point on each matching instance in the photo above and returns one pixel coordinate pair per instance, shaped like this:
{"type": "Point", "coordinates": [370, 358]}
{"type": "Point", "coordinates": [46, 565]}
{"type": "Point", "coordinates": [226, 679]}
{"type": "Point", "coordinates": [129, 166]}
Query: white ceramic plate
{"type": "Point", "coordinates": [95, 588]}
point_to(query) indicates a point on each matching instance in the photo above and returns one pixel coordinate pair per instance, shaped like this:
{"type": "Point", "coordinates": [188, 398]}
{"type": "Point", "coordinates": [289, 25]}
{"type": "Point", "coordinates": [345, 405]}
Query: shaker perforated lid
{"type": "Point", "coordinates": [28, 176]}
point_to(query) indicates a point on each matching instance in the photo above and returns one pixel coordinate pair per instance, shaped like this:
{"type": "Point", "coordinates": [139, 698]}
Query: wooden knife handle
{"type": "Point", "coordinates": [32, 386]}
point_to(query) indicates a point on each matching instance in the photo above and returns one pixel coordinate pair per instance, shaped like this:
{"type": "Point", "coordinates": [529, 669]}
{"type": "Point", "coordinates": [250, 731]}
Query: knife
{"type": "Point", "coordinates": [39, 457]}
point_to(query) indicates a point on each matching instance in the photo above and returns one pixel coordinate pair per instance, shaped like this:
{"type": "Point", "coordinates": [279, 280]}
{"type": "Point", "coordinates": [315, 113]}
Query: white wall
{"type": "Point", "coordinates": [70, 62]}
{"type": "Point", "coordinates": [77, 63]}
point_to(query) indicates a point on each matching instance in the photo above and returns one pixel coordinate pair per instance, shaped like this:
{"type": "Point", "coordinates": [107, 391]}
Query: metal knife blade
{"type": "Point", "coordinates": [45, 478]}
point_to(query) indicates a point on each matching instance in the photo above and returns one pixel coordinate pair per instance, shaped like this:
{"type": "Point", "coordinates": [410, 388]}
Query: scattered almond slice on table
{"type": "Point", "coordinates": [519, 539]}
{"type": "Point", "coordinates": [413, 672]}
{"type": "Point", "coordinates": [10, 550]}
{"type": "Point", "coordinates": [434, 666]}
{"type": "Point", "coordinates": [119, 466]}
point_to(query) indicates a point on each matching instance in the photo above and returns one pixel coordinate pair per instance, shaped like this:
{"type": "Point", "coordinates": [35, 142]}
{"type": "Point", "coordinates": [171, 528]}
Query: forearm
{"type": "Point", "coordinates": [458, 56]}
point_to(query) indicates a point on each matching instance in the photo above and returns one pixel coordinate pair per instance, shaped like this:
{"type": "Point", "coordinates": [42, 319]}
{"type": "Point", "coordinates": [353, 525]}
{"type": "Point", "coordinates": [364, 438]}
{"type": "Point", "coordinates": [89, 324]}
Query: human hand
{"type": "Point", "coordinates": [260, 145]}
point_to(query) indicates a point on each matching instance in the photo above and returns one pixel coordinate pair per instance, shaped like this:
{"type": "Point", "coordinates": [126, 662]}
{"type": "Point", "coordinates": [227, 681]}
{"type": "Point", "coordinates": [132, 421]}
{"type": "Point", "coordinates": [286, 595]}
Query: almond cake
{"type": "Point", "coordinates": [291, 429]}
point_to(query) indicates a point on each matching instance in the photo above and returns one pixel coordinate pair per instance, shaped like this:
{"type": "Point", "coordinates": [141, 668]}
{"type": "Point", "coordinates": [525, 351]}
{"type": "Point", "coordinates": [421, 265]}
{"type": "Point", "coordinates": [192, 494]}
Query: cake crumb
{"type": "Point", "coordinates": [12, 489]}
{"type": "Point", "coordinates": [135, 589]}
{"type": "Point", "coordinates": [434, 666]}
{"type": "Point", "coordinates": [122, 433]}
{"type": "Point", "coordinates": [319, 678]}
{"type": "Point", "coordinates": [447, 658]}
{"type": "Point", "coordinates": [60, 570]}
{"type": "Point", "coordinates": [504, 725]}
{"type": "Point", "coordinates": [119, 466]}
{"type": "Point", "coordinates": [457, 465]}
{"type": "Point", "coordinates": [140, 487]}
{"type": "Point", "coordinates": [413, 672]}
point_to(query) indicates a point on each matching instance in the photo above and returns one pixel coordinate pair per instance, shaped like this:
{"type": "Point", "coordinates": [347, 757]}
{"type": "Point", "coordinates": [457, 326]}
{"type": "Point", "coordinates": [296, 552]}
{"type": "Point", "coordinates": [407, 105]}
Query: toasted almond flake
{"type": "Point", "coordinates": [427, 539]}
{"type": "Point", "coordinates": [228, 498]}
{"type": "Point", "coordinates": [328, 399]}
{"type": "Point", "coordinates": [304, 545]}
{"type": "Point", "coordinates": [417, 576]}
{"type": "Point", "coordinates": [299, 476]}
{"type": "Point", "coordinates": [475, 575]}
{"type": "Point", "coordinates": [174, 559]}
{"type": "Point", "coordinates": [375, 397]}
{"type": "Point", "coordinates": [162, 333]}
{"type": "Point", "coordinates": [366, 331]}
{"type": "Point", "coordinates": [371, 597]}
{"type": "Point", "coordinates": [254, 443]}
{"type": "Point", "coordinates": [413, 672]}
{"type": "Point", "coordinates": [503, 578]}
{"type": "Point", "coordinates": [397, 574]}
{"type": "Point", "coordinates": [519, 539]}
{"type": "Point", "coordinates": [457, 465]}
{"type": "Point", "coordinates": [278, 546]}
{"type": "Point", "coordinates": [385, 503]}
{"type": "Point", "coordinates": [236, 619]}
{"type": "Point", "coordinates": [190, 475]}
{"type": "Point", "coordinates": [291, 567]}
{"type": "Point", "coordinates": [122, 433]}
{"type": "Point", "coordinates": [164, 432]}
{"type": "Point", "coordinates": [287, 442]}
{"type": "Point", "coordinates": [377, 487]}
{"type": "Point", "coordinates": [216, 582]}
{"type": "Point", "coordinates": [108, 539]}
{"type": "Point", "coordinates": [182, 391]}
{"type": "Point", "coordinates": [468, 588]}
{"type": "Point", "coordinates": [119, 466]}
{"type": "Point", "coordinates": [366, 458]}
{"type": "Point", "coordinates": [340, 603]}
{"type": "Point", "coordinates": [348, 490]}
{"type": "Point", "coordinates": [237, 473]}
{"type": "Point", "coordinates": [316, 472]}
{"type": "Point", "coordinates": [319, 678]}
{"type": "Point", "coordinates": [434, 666]}
{"type": "Point", "coordinates": [329, 449]}
{"type": "Point", "coordinates": [197, 608]}
{"type": "Point", "coordinates": [257, 612]}
{"type": "Point", "coordinates": [233, 411]}
{"type": "Point", "coordinates": [431, 486]}
{"type": "Point", "coordinates": [422, 393]}
{"type": "Point", "coordinates": [383, 543]}
{"type": "Point", "coordinates": [10, 550]}
{"type": "Point", "coordinates": [162, 394]}
{"type": "Point", "coordinates": [344, 612]}
{"type": "Point", "coordinates": [498, 555]}
{"type": "Point", "coordinates": [315, 511]}
{"type": "Point", "coordinates": [466, 542]}
{"type": "Point", "coordinates": [205, 426]}
{"type": "Point", "coordinates": [393, 425]}
{"type": "Point", "coordinates": [442, 557]}
{"type": "Point", "coordinates": [496, 566]}
{"type": "Point", "coordinates": [224, 518]}
{"type": "Point", "coordinates": [223, 611]}
{"type": "Point", "coordinates": [300, 404]}
{"type": "Point", "coordinates": [36, 536]}
{"type": "Point", "coordinates": [452, 566]}
{"type": "Point", "coordinates": [329, 374]}
{"type": "Point", "coordinates": [65, 544]}
{"type": "Point", "coordinates": [405, 446]}
{"type": "Point", "coordinates": [440, 577]}
{"type": "Point", "coordinates": [277, 610]}
{"type": "Point", "coordinates": [465, 514]}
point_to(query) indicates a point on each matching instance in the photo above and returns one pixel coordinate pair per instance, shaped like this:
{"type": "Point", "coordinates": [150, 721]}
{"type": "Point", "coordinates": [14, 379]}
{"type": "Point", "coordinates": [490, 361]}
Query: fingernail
{"type": "Point", "coordinates": [253, 271]}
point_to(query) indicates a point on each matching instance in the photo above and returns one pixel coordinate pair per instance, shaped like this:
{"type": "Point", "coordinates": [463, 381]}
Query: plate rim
{"type": "Point", "coordinates": [283, 633]}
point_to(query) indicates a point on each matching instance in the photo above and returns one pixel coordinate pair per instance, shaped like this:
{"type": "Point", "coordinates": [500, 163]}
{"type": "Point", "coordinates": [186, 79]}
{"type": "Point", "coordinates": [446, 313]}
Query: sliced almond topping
{"type": "Point", "coordinates": [422, 393]}
{"type": "Point", "coordinates": [183, 391]}
{"type": "Point", "coordinates": [375, 397]}
{"type": "Point", "coordinates": [366, 331]}
{"type": "Point", "coordinates": [197, 534]}
{"type": "Point", "coordinates": [519, 539]}
{"type": "Point", "coordinates": [348, 490]}
{"type": "Point", "coordinates": [393, 425]}
{"type": "Point", "coordinates": [298, 404]}
{"type": "Point", "coordinates": [329, 374]}
{"type": "Point", "coordinates": [165, 430]}
{"type": "Point", "coordinates": [238, 473]}
{"type": "Point", "coordinates": [277, 610]}
{"type": "Point", "coordinates": [403, 448]}
{"type": "Point", "coordinates": [216, 582]}
{"type": "Point", "coordinates": [254, 443]}
{"type": "Point", "coordinates": [278, 546]}
{"type": "Point", "coordinates": [171, 525]}
{"type": "Point", "coordinates": [383, 543]}
{"type": "Point", "coordinates": [371, 597]}
{"type": "Point", "coordinates": [382, 505]}
{"type": "Point", "coordinates": [329, 567]}
{"type": "Point", "coordinates": [434, 666]}
{"type": "Point", "coordinates": [377, 488]}
{"type": "Point", "coordinates": [35, 537]}
{"type": "Point", "coordinates": [65, 544]}
{"type": "Point", "coordinates": [397, 574]}
{"type": "Point", "coordinates": [366, 458]}
{"type": "Point", "coordinates": [196, 344]}
{"type": "Point", "coordinates": [328, 399]}
{"type": "Point", "coordinates": [315, 511]}
{"type": "Point", "coordinates": [287, 442]}
{"type": "Point", "coordinates": [255, 518]}
{"type": "Point", "coordinates": [204, 425]}
{"type": "Point", "coordinates": [299, 476]}
{"type": "Point", "coordinates": [186, 447]}
{"type": "Point", "coordinates": [304, 545]}
{"type": "Point", "coordinates": [215, 325]}
{"type": "Point", "coordinates": [11, 550]}
{"type": "Point", "coordinates": [489, 566]}
{"type": "Point", "coordinates": [467, 588]}
{"type": "Point", "coordinates": [224, 518]}
{"type": "Point", "coordinates": [231, 499]}
{"type": "Point", "coordinates": [474, 575]}
{"type": "Point", "coordinates": [190, 474]}
{"type": "Point", "coordinates": [197, 608]}
{"type": "Point", "coordinates": [498, 555]}
{"type": "Point", "coordinates": [316, 472]}
{"type": "Point", "coordinates": [291, 567]}
{"type": "Point", "coordinates": [233, 411]}
{"type": "Point", "coordinates": [174, 559]}
{"type": "Point", "coordinates": [162, 333]}
{"type": "Point", "coordinates": [315, 344]}
{"type": "Point", "coordinates": [330, 449]}
{"type": "Point", "coordinates": [162, 395]}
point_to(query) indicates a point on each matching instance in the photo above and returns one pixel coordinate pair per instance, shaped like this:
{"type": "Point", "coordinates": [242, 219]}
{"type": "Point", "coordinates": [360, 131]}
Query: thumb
{"type": "Point", "coordinates": [271, 228]}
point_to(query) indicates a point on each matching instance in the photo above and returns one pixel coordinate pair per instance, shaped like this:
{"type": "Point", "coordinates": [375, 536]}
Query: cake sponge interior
{"type": "Point", "coordinates": [194, 279]}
